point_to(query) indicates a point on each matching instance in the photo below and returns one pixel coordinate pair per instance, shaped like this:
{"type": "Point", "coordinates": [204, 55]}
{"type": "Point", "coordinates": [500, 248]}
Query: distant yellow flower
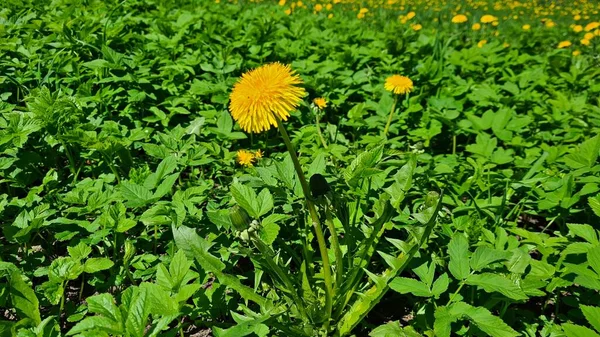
{"type": "Point", "coordinates": [488, 18]}
{"type": "Point", "coordinates": [577, 17]}
{"type": "Point", "coordinates": [363, 10]}
{"type": "Point", "coordinates": [577, 28]}
{"type": "Point", "coordinates": [398, 84]}
{"type": "Point", "coordinates": [288, 11]}
{"type": "Point", "coordinates": [526, 27]}
{"type": "Point", "coordinates": [360, 15]}
{"type": "Point", "coordinates": [258, 154]}
{"type": "Point", "coordinates": [481, 43]}
{"type": "Point", "coordinates": [299, 3]}
{"type": "Point", "coordinates": [476, 26]}
{"type": "Point", "coordinates": [281, 2]}
{"type": "Point", "coordinates": [263, 95]}
{"type": "Point", "coordinates": [576, 52]}
{"type": "Point", "coordinates": [416, 27]}
{"type": "Point", "coordinates": [410, 15]}
{"type": "Point", "coordinates": [564, 44]}
{"type": "Point", "coordinates": [550, 24]}
{"type": "Point", "coordinates": [588, 36]}
{"type": "Point", "coordinates": [460, 18]}
{"type": "Point", "coordinates": [506, 44]}
{"type": "Point", "coordinates": [495, 23]}
{"type": "Point", "coordinates": [320, 102]}
{"type": "Point", "coordinates": [585, 42]}
{"type": "Point", "coordinates": [318, 7]}
{"type": "Point", "coordinates": [591, 26]}
{"type": "Point", "coordinates": [245, 158]}
{"type": "Point", "coordinates": [330, 15]}
{"type": "Point", "coordinates": [328, 6]}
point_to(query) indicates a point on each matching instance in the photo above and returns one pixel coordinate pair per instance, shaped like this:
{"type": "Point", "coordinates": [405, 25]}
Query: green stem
{"type": "Point", "coordinates": [111, 166]}
{"type": "Point", "coordinates": [319, 129]}
{"type": "Point", "coordinates": [81, 287]}
{"type": "Point", "coordinates": [454, 144]}
{"type": "Point", "coordinates": [389, 121]}
{"type": "Point", "coordinates": [339, 260]}
{"type": "Point", "coordinates": [315, 221]}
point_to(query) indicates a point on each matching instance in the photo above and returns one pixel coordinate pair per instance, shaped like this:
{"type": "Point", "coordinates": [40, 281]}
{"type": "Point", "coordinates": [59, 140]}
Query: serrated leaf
{"type": "Point", "coordinates": [363, 165]}
{"type": "Point", "coordinates": [135, 195]}
{"type": "Point", "coordinates": [265, 202]}
{"type": "Point", "coordinates": [584, 231]}
{"type": "Point", "coordinates": [443, 321]}
{"type": "Point", "coordinates": [592, 314]}
{"type": "Point", "coordinates": [594, 203]}
{"type": "Point", "coordinates": [593, 257]}
{"type": "Point", "coordinates": [402, 182]}
{"type": "Point", "coordinates": [458, 250]}
{"type": "Point", "coordinates": [246, 198]}
{"type": "Point", "coordinates": [393, 329]}
{"type": "Point", "coordinates": [440, 285]}
{"type": "Point", "coordinates": [485, 256]}
{"type": "Point", "coordinates": [572, 330]}
{"type": "Point", "coordinates": [165, 186]}
{"type": "Point", "coordinates": [484, 320]}
{"type": "Point", "coordinates": [268, 233]}
{"type": "Point", "coordinates": [23, 298]}
{"type": "Point", "coordinates": [497, 283]}
{"type": "Point", "coordinates": [405, 285]}
{"type": "Point", "coordinates": [97, 264]}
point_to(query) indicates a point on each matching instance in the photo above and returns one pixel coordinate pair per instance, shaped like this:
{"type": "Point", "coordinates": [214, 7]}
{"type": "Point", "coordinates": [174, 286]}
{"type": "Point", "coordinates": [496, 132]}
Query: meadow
{"type": "Point", "coordinates": [309, 168]}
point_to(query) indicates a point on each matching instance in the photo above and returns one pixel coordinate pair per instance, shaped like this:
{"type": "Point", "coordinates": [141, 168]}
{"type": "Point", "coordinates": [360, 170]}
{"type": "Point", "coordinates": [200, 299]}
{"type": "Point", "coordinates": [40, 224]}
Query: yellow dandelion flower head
{"type": "Point", "coordinates": [591, 26]}
{"type": "Point", "coordinates": [481, 43]}
{"type": "Point", "coordinates": [526, 27]}
{"type": "Point", "coordinates": [588, 36]}
{"type": "Point", "coordinates": [460, 18]}
{"type": "Point", "coordinates": [363, 10]}
{"type": "Point", "coordinates": [577, 28]}
{"type": "Point", "coordinates": [263, 95]}
{"type": "Point", "coordinates": [410, 15]}
{"type": "Point", "coordinates": [330, 15]}
{"type": "Point", "coordinates": [476, 26]}
{"type": "Point", "coordinates": [320, 102]}
{"type": "Point", "coordinates": [576, 52]}
{"type": "Point", "coordinates": [245, 158]}
{"type": "Point", "coordinates": [281, 2]}
{"type": "Point", "coordinates": [258, 154]}
{"type": "Point", "coordinates": [318, 7]}
{"type": "Point", "coordinates": [488, 18]}
{"type": "Point", "coordinates": [398, 84]}
{"type": "Point", "coordinates": [550, 24]}
{"type": "Point", "coordinates": [585, 42]}
{"type": "Point", "coordinates": [416, 27]}
{"type": "Point", "coordinates": [564, 44]}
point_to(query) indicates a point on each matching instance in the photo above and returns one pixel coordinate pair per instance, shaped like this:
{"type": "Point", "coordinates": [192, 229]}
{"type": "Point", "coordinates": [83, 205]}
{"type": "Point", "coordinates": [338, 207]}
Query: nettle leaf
{"type": "Point", "coordinates": [246, 198]}
{"type": "Point", "coordinates": [485, 256]}
{"type": "Point", "coordinates": [97, 264]}
{"type": "Point", "coordinates": [592, 314]}
{"type": "Point", "coordinates": [458, 250]}
{"type": "Point", "coordinates": [402, 182]}
{"type": "Point", "coordinates": [497, 283]}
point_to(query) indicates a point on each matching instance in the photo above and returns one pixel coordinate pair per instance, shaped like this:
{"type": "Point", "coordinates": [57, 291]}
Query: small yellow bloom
{"type": "Point", "coordinates": [577, 28]}
{"type": "Point", "coordinates": [588, 36]}
{"type": "Point", "coordinates": [506, 44]}
{"type": "Point", "coordinates": [360, 15]}
{"type": "Point", "coordinates": [481, 43]}
{"type": "Point", "coordinates": [245, 158]}
{"type": "Point", "coordinates": [591, 26]}
{"type": "Point", "coordinates": [330, 15]}
{"type": "Point", "coordinates": [328, 6]}
{"type": "Point", "coordinates": [585, 42]}
{"type": "Point", "coordinates": [320, 102]}
{"type": "Point", "coordinates": [264, 95]}
{"type": "Point", "coordinates": [550, 24]}
{"type": "Point", "coordinates": [398, 84]}
{"type": "Point", "coordinates": [299, 3]}
{"type": "Point", "coordinates": [410, 15]}
{"type": "Point", "coordinates": [564, 44]}
{"type": "Point", "coordinates": [460, 18]}
{"type": "Point", "coordinates": [488, 18]}
{"type": "Point", "coordinates": [318, 7]}
{"type": "Point", "coordinates": [363, 10]}
{"type": "Point", "coordinates": [577, 17]}
{"type": "Point", "coordinates": [281, 2]}
{"type": "Point", "coordinates": [258, 154]}
{"type": "Point", "coordinates": [495, 23]}
{"type": "Point", "coordinates": [476, 26]}
{"type": "Point", "coordinates": [576, 52]}
{"type": "Point", "coordinates": [416, 27]}
{"type": "Point", "coordinates": [288, 11]}
{"type": "Point", "coordinates": [526, 27]}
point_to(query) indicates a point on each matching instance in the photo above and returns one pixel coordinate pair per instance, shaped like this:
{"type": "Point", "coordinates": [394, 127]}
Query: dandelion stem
{"type": "Point", "coordinates": [319, 129]}
{"type": "Point", "coordinates": [315, 221]}
{"type": "Point", "coordinates": [389, 121]}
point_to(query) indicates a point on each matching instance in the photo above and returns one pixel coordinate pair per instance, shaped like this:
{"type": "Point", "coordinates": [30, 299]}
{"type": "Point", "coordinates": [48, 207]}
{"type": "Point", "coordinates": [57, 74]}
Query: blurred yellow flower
{"type": "Point", "coordinates": [506, 44]}
{"type": "Point", "coordinates": [360, 15]}
{"type": "Point", "coordinates": [330, 15]}
{"type": "Point", "coordinates": [320, 102]}
{"type": "Point", "coordinates": [328, 6]}
{"type": "Point", "coordinates": [476, 26]}
{"type": "Point", "coordinates": [398, 84]}
{"type": "Point", "coordinates": [577, 17]}
{"type": "Point", "coordinates": [460, 18]}
{"type": "Point", "coordinates": [245, 158]}
{"type": "Point", "coordinates": [281, 2]}
{"type": "Point", "coordinates": [410, 15]}
{"type": "Point", "coordinates": [416, 27]}
{"type": "Point", "coordinates": [585, 42]}
{"type": "Point", "coordinates": [550, 24]}
{"type": "Point", "coordinates": [318, 7]}
{"type": "Point", "coordinates": [577, 28]}
{"type": "Point", "coordinates": [588, 36]}
{"type": "Point", "coordinates": [576, 52]}
{"type": "Point", "coordinates": [564, 44]}
{"type": "Point", "coordinates": [591, 26]}
{"type": "Point", "coordinates": [488, 18]}
{"type": "Point", "coordinates": [258, 154]}
{"type": "Point", "coordinates": [363, 10]}
{"type": "Point", "coordinates": [264, 95]}
{"type": "Point", "coordinates": [526, 27]}
{"type": "Point", "coordinates": [481, 43]}
{"type": "Point", "coordinates": [288, 11]}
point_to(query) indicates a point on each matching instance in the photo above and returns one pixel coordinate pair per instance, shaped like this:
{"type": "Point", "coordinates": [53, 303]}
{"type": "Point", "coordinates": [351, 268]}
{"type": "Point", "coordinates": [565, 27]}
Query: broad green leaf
{"type": "Point", "coordinates": [96, 323]}
{"type": "Point", "coordinates": [363, 166]}
{"type": "Point", "coordinates": [23, 298]}
{"type": "Point", "coordinates": [443, 321]}
{"type": "Point", "coordinates": [135, 195]}
{"type": "Point", "coordinates": [393, 329]}
{"type": "Point", "coordinates": [594, 203]}
{"type": "Point", "coordinates": [440, 285]}
{"type": "Point", "coordinates": [585, 155]}
{"type": "Point", "coordinates": [485, 256]}
{"type": "Point", "coordinates": [79, 252]}
{"type": "Point", "coordinates": [572, 330]}
{"type": "Point", "coordinates": [165, 186]}
{"type": "Point", "coordinates": [97, 264]}
{"type": "Point", "coordinates": [592, 314]}
{"type": "Point", "coordinates": [405, 285]}
{"type": "Point", "coordinates": [458, 250]}
{"type": "Point", "coordinates": [104, 305]}
{"type": "Point", "coordinates": [593, 257]}
{"type": "Point", "coordinates": [138, 310]}
{"type": "Point", "coordinates": [497, 283]}
{"type": "Point", "coordinates": [265, 202]}
{"type": "Point", "coordinates": [178, 268]}
{"type": "Point", "coordinates": [584, 231]}
{"type": "Point", "coordinates": [402, 182]}
{"type": "Point", "coordinates": [488, 323]}
{"type": "Point", "coordinates": [246, 198]}
{"type": "Point", "coordinates": [158, 301]}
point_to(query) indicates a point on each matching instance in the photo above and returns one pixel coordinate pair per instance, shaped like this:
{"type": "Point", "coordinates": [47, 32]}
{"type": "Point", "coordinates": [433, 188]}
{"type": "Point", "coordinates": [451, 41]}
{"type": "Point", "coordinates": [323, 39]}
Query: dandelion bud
{"type": "Point", "coordinates": [239, 218]}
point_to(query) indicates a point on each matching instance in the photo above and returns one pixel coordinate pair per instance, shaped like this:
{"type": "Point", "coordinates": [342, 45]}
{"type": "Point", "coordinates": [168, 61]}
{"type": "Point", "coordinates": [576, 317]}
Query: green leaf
{"type": "Point", "coordinates": [402, 182]}
{"type": "Point", "coordinates": [363, 166]}
{"type": "Point", "coordinates": [246, 198]}
{"type": "Point", "coordinates": [594, 203]}
{"type": "Point", "coordinates": [23, 298]}
{"type": "Point", "coordinates": [97, 264]}
{"type": "Point", "coordinates": [572, 330]}
{"type": "Point", "coordinates": [458, 250]}
{"type": "Point", "coordinates": [104, 304]}
{"type": "Point", "coordinates": [138, 311]}
{"type": "Point", "coordinates": [405, 285]}
{"type": "Point", "coordinates": [158, 301]}
{"type": "Point", "coordinates": [165, 186]}
{"type": "Point", "coordinates": [586, 232]}
{"type": "Point", "coordinates": [585, 155]}
{"type": "Point", "coordinates": [79, 252]}
{"type": "Point", "coordinates": [443, 321]}
{"type": "Point", "coordinates": [485, 256]}
{"type": "Point", "coordinates": [178, 268]}
{"type": "Point", "coordinates": [497, 283]}
{"type": "Point", "coordinates": [393, 329]}
{"type": "Point", "coordinates": [484, 320]}
{"type": "Point", "coordinates": [440, 285]}
{"type": "Point", "coordinates": [135, 195]}
{"type": "Point", "coordinates": [593, 257]}
{"type": "Point", "coordinates": [265, 202]}
{"type": "Point", "coordinates": [592, 314]}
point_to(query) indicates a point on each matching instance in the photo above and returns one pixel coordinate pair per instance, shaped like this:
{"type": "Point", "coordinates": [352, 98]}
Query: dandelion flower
{"type": "Point", "coordinates": [281, 2]}
{"type": "Point", "coordinates": [410, 15]}
{"type": "Point", "coordinates": [588, 36]}
{"type": "Point", "coordinates": [585, 42]}
{"type": "Point", "coordinates": [398, 84]}
{"type": "Point", "coordinates": [576, 52]}
{"type": "Point", "coordinates": [460, 18]}
{"type": "Point", "coordinates": [564, 44]}
{"type": "Point", "coordinates": [320, 102]}
{"type": "Point", "coordinates": [577, 28]}
{"type": "Point", "coordinates": [481, 43]}
{"type": "Point", "coordinates": [416, 27]}
{"type": "Point", "coordinates": [526, 27]}
{"type": "Point", "coordinates": [263, 95]}
{"type": "Point", "coordinates": [258, 154]}
{"type": "Point", "coordinates": [318, 7]}
{"type": "Point", "coordinates": [245, 158]}
{"type": "Point", "coordinates": [488, 18]}
{"type": "Point", "coordinates": [476, 26]}
{"type": "Point", "coordinates": [591, 26]}
{"type": "Point", "coordinates": [550, 24]}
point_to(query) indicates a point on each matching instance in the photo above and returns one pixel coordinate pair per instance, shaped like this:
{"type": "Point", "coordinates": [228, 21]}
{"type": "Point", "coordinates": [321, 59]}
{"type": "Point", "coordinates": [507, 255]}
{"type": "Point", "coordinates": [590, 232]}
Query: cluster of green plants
{"type": "Point", "coordinates": [124, 211]}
